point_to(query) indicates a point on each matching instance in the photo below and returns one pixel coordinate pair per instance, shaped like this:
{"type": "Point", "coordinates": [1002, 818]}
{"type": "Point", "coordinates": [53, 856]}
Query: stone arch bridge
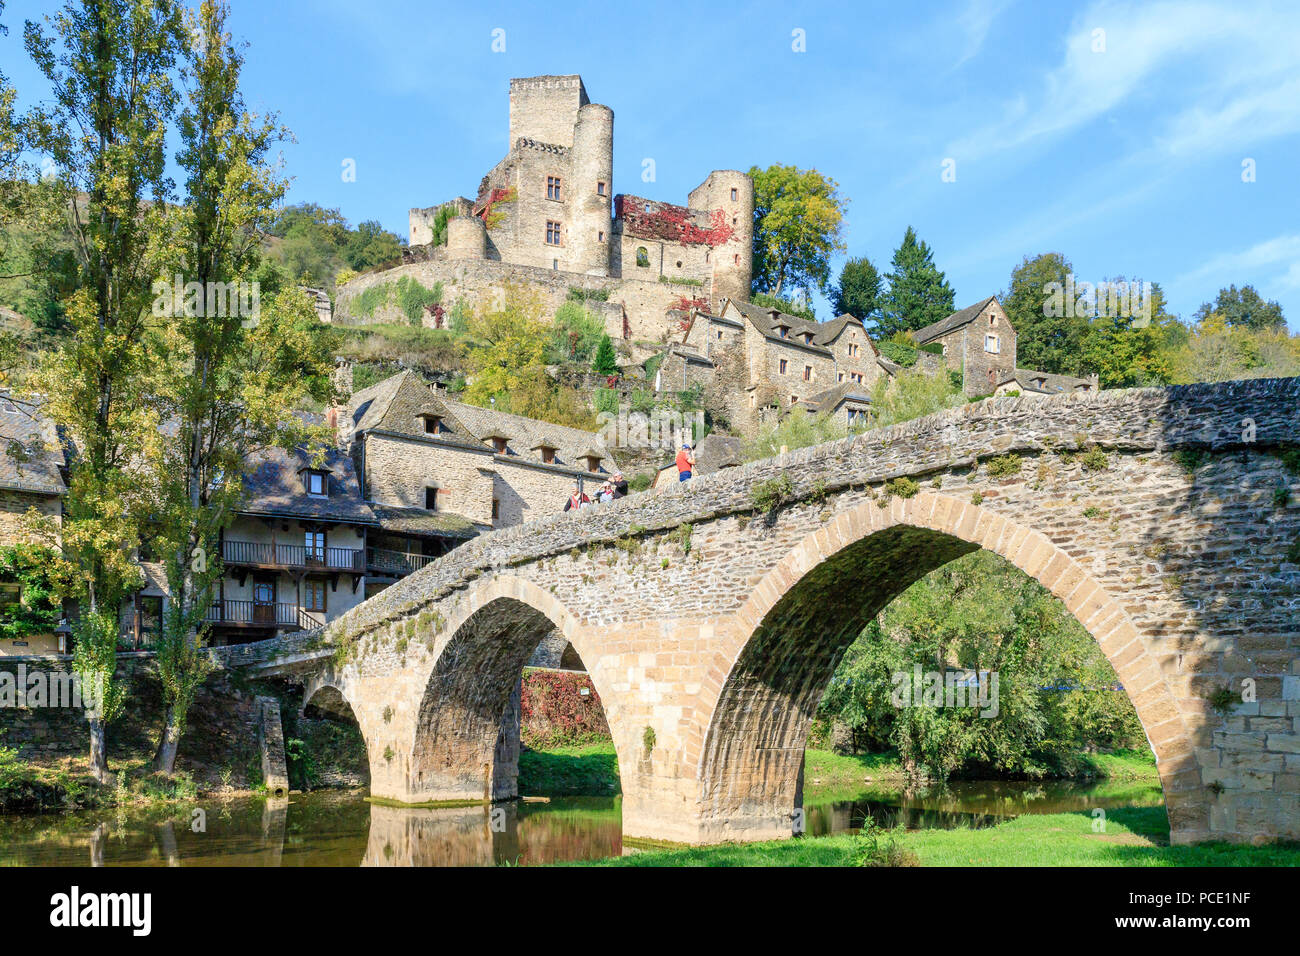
{"type": "Point", "coordinates": [711, 617]}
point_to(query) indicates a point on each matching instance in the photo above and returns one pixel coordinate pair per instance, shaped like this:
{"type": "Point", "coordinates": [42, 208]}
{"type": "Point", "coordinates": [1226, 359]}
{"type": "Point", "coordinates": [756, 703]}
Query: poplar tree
{"type": "Point", "coordinates": [109, 65]}
{"type": "Point", "coordinates": [230, 371]}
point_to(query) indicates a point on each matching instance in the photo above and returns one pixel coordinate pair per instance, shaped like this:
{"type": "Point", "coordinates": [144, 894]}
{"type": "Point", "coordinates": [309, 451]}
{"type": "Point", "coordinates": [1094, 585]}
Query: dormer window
{"type": "Point", "coordinates": [432, 425]}
{"type": "Point", "coordinates": [499, 444]}
{"type": "Point", "coordinates": [548, 454]}
{"type": "Point", "coordinates": [807, 338]}
{"type": "Point", "coordinates": [317, 483]}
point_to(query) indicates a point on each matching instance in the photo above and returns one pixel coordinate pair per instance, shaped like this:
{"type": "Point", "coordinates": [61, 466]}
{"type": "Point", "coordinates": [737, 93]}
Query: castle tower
{"type": "Point", "coordinates": [590, 190]}
{"type": "Point", "coordinates": [466, 238]}
{"type": "Point", "coordinates": [545, 108]}
{"type": "Point", "coordinates": [732, 192]}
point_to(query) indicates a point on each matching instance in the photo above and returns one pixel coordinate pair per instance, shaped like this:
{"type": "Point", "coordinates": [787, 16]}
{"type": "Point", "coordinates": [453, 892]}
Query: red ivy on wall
{"type": "Point", "coordinates": [671, 223]}
{"type": "Point", "coordinates": [553, 709]}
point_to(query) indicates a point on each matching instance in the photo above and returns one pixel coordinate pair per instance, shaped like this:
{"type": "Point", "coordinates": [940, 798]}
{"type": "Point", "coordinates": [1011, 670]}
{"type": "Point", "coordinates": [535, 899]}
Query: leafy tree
{"type": "Point", "coordinates": [918, 295]}
{"type": "Point", "coordinates": [1052, 343]}
{"type": "Point", "coordinates": [859, 290]}
{"type": "Point", "coordinates": [228, 383]}
{"type": "Point", "coordinates": [39, 607]}
{"type": "Point", "coordinates": [798, 429]}
{"type": "Point", "coordinates": [606, 360]}
{"type": "Point", "coordinates": [1127, 353]}
{"type": "Point", "coordinates": [110, 65]}
{"type": "Point", "coordinates": [1217, 352]}
{"type": "Point", "coordinates": [507, 363]}
{"type": "Point", "coordinates": [1057, 693]}
{"type": "Point", "coordinates": [370, 245]}
{"type": "Point", "coordinates": [798, 222]}
{"type": "Point", "coordinates": [1243, 308]}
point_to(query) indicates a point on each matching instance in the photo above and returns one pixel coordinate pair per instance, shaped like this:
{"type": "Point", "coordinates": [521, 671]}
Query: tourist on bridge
{"type": "Point", "coordinates": [685, 461]}
{"type": "Point", "coordinates": [577, 499]}
{"type": "Point", "coordinates": [620, 485]}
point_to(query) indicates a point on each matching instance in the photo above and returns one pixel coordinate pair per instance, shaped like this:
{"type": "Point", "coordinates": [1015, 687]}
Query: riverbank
{"type": "Point", "coordinates": [592, 769]}
{"type": "Point", "coordinates": [1133, 836]}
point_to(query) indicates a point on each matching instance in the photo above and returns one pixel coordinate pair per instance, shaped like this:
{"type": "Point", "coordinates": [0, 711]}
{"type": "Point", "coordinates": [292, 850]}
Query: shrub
{"type": "Point", "coordinates": [641, 481]}
{"type": "Point", "coordinates": [770, 494]}
{"type": "Point", "coordinates": [1094, 459]}
{"type": "Point", "coordinates": [1003, 466]}
{"type": "Point", "coordinates": [873, 845]}
{"type": "Point", "coordinates": [902, 487]}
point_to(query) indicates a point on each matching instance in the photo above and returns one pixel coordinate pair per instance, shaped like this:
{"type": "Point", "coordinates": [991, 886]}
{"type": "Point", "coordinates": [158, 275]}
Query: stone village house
{"type": "Point", "coordinates": [413, 473]}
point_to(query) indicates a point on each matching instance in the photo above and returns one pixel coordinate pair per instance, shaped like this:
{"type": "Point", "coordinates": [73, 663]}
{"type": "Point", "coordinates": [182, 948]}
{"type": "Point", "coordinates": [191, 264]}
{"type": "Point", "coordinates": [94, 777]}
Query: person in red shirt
{"type": "Point", "coordinates": [685, 461]}
{"type": "Point", "coordinates": [577, 499]}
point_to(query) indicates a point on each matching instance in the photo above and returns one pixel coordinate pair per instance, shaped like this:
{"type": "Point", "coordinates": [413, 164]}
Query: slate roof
{"type": "Point", "coordinates": [418, 521]}
{"type": "Point", "coordinates": [832, 398]}
{"type": "Point", "coordinates": [31, 450]}
{"type": "Point", "coordinates": [823, 333]}
{"type": "Point", "coordinates": [274, 485]}
{"type": "Point", "coordinates": [1052, 384]}
{"type": "Point", "coordinates": [394, 405]}
{"type": "Point", "coordinates": [955, 321]}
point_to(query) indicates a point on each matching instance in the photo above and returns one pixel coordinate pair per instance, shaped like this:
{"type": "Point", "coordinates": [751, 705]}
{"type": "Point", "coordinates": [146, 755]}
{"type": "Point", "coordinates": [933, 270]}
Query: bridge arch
{"type": "Point", "coordinates": [463, 747]}
{"type": "Point", "coordinates": [774, 666]}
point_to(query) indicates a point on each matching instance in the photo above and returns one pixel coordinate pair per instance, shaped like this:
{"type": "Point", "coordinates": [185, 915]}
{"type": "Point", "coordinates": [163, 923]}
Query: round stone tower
{"type": "Point", "coordinates": [732, 192]}
{"type": "Point", "coordinates": [590, 190]}
{"type": "Point", "coordinates": [466, 238]}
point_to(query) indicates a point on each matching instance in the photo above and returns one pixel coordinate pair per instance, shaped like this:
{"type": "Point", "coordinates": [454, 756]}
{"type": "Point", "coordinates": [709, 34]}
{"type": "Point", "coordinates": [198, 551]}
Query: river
{"type": "Point", "coordinates": [344, 829]}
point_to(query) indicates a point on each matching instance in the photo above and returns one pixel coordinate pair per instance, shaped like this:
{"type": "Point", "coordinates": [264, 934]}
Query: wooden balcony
{"type": "Point", "coordinates": [395, 563]}
{"type": "Point", "coordinates": [261, 614]}
{"type": "Point", "coordinates": [257, 554]}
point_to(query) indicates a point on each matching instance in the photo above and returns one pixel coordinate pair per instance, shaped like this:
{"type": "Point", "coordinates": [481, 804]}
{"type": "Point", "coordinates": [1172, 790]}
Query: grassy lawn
{"type": "Point", "coordinates": [1133, 837]}
{"type": "Point", "coordinates": [583, 770]}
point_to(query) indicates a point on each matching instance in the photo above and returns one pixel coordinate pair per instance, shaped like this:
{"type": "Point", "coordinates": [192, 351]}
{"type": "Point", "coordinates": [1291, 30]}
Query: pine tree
{"type": "Point", "coordinates": [918, 292]}
{"type": "Point", "coordinates": [858, 291]}
{"type": "Point", "coordinates": [606, 361]}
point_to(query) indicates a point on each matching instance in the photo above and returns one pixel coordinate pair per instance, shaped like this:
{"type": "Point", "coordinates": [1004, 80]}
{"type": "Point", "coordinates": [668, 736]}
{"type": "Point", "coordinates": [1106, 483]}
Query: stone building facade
{"type": "Point", "coordinates": [418, 451]}
{"type": "Point", "coordinates": [760, 362]}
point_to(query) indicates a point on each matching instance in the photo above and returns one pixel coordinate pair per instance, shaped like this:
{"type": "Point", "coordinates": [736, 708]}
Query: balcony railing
{"type": "Point", "coordinates": [263, 555]}
{"type": "Point", "coordinates": [262, 614]}
{"type": "Point", "coordinates": [400, 563]}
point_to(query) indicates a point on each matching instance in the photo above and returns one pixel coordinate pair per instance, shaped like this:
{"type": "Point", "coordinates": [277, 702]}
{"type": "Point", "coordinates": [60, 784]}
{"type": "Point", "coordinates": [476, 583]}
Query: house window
{"type": "Point", "coordinates": [552, 187]}
{"type": "Point", "coordinates": [807, 338]}
{"type": "Point", "coordinates": [600, 189]}
{"type": "Point", "coordinates": [839, 377]}
{"type": "Point", "coordinates": [432, 425]}
{"type": "Point", "coordinates": [782, 366]}
{"type": "Point", "coordinates": [993, 319]}
{"type": "Point", "coordinates": [793, 399]}
{"type": "Point", "coordinates": [807, 373]}
{"type": "Point", "coordinates": [496, 509]}
{"type": "Point", "coordinates": [856, 376]}
{"type": "Point", "coordinates": [316, 484]}
{"type": "Point", "coordinates": [314, 543]}
{"type": "Point", "coordinates": [548, 455]}
{"type": "Point", "coordinates": [991, 344]}
{"type": "Point", "coordinates": [313, 594]}
{"type": "Point", "coordinates": [735, 194]}
{"type": "Point", "coordinates": [552, 233]}
{"type": "Point", "coordinates": [642, 257]}
{"type": "Point", "coordinates": [431, 499]}
{"type": "Point", "coordinates": [719, 335]}
{"type": "Point", "coordinates": [500, 445]}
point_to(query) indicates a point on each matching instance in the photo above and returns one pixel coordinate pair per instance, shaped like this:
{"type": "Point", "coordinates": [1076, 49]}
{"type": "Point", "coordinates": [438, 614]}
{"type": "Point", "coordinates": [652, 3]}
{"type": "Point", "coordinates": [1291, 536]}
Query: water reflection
{"type": "Point", "coordinates": [343, 829]}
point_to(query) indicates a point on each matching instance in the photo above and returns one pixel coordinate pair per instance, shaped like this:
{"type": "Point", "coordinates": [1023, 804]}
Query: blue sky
{"type": "Point", "coordinates": [1128, 159]}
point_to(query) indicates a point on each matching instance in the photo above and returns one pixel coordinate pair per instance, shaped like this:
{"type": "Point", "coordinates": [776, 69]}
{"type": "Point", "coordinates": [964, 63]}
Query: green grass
{"type": "Point", "coordinates": [1133, 837]}
{"type": "Point", "coordinates": [584, 770]}
{"type": "Point", "coordinates": [1123, 765]}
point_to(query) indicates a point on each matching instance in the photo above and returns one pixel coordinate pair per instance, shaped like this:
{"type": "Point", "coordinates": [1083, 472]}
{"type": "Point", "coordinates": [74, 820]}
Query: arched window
{"type": "Point", "coordinates": [642, 256]}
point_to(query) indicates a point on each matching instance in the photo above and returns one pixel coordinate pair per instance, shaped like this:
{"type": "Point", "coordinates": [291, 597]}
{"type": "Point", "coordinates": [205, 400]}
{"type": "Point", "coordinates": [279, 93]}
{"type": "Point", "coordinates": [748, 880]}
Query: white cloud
{"type": "Point", "coordinates": [1261, 258]}
{"type": "Point", "coordinates": [1239, 55]}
